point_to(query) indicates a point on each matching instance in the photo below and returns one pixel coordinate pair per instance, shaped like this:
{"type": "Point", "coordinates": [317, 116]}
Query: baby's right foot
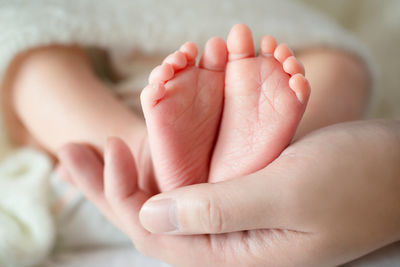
{"type": "Point", "coordinates": [182, 106]}
{"type": "Point", "coordinates": [265, 98]}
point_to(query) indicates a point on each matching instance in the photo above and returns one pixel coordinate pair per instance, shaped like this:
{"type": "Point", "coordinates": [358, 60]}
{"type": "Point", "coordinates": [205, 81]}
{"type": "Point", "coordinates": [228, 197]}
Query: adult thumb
{"type": "Point", "coordinates": [257, 201]}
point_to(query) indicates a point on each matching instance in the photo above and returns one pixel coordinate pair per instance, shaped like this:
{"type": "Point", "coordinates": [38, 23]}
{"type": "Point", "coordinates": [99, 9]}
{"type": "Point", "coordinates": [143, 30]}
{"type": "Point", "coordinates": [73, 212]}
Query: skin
{"type": "Point", "coordinates": [256, 103]}
{"type": "Point", "coordinates": [340, 85]}
{"type": "Point", "coordinates": [323, 66]}
{"type": "Point", "coordinates": [36, 74]}
{"type": "Point", "coordinates": [311, 206]}
{"type": "Point", "coordinates": [32, 86]}
{"type": "Point", "coordinates": [46, 84]}
{"type": "Point", "coordinates": [265, 98]}
{"type": "Point", "coordinates": [182, 106]}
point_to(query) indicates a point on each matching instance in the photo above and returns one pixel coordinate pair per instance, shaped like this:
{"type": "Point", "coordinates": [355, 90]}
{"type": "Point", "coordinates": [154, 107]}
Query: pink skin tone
{"type": "Point", "coordinates": [60, 79]}
{"type": "Point", "coordinates": [52, 96]}
{"type": "Point", "coordinates": [308, 214]}
{"type": "Point", "coordinates": [205, 209]}
{"type": "Point", "coordinates": [182, 106]}
{"type": "Point", "coordinates": [263, 99]}
{"type": "Point", "coordinates": [95, 187]}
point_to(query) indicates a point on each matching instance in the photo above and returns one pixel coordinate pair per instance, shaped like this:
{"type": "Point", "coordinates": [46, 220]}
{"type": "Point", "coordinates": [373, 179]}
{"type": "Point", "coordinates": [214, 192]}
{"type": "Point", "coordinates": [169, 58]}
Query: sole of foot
{"type": "Point", "coordinates": [265, 98]}
{"type": "Point", "coordinates": [182, 106]}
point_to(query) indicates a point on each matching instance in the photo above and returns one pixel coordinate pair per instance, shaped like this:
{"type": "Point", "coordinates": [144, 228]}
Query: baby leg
{"type": "Point", "coordinates": [340, 88]}
{"type": "Point", "coordinates": [56, 97]}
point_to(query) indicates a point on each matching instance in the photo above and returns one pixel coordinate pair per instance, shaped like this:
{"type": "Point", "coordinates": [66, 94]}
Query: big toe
{"type": "Point", "coordinates": [215, 55]}
{"type": "Point", "coordinates": [240, 42]}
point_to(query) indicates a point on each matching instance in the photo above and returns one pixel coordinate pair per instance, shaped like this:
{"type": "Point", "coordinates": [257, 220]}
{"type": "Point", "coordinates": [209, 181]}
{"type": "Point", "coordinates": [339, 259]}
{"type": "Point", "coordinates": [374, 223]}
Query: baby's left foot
{"type": "Point", "coordinates": [265, 97]}
{"type": "Point", "coordinates": [182, 105]}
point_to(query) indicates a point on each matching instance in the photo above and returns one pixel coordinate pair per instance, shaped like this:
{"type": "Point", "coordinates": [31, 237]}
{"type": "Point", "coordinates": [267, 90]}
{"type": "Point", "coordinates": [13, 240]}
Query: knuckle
{"type": "Point", "coordinates": [211, 216]}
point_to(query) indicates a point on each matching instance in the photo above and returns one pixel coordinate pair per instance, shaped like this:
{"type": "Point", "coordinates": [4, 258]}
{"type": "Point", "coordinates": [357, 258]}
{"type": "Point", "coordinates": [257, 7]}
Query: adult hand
{"type": "Point", "coordinates": [329, 198]}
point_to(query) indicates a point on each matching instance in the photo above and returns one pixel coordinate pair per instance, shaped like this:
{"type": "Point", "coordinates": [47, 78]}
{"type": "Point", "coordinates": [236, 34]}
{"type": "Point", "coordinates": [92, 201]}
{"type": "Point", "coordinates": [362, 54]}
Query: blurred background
{"type": "Point", "coordinates": [377, 24]}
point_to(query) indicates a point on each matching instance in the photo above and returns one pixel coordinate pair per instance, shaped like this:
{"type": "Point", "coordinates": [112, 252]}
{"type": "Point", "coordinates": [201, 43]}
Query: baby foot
{"type": "Point", "coordinates": [182, 106]}
{"type": "Point", "coordinates": [265, 98]}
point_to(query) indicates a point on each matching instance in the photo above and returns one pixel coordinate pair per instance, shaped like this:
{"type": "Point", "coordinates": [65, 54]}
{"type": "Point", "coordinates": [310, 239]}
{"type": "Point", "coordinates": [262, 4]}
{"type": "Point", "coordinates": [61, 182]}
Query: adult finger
{"type": "Point", "coordinates": [257, 201]}
{"type": "Point", "coordinates": [85, 170]}
{"type": "Point", "coordinates": [120, 175]}
{"type": "Point", "coordinates": [121, 190]}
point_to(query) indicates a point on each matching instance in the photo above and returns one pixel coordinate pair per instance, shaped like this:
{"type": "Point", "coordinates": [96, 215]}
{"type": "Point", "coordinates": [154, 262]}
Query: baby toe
{"type": "Point", "coordinates": [282, 52]}
{"type": "Point", "coordinates": [177, 60]}
{"type": "Point", "coordinates": [299, 84]}
{"type": "Point", "coordinates": [292, 66]}
{"type": "Point", "coordinates": [161, 73]}
{"type": "Point", "coordinates": [267, 45]}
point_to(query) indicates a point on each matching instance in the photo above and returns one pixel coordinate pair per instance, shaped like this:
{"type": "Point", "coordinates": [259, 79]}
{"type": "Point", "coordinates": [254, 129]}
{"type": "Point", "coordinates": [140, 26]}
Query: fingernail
{"type": "Point", "coordinates": [159, 216]}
